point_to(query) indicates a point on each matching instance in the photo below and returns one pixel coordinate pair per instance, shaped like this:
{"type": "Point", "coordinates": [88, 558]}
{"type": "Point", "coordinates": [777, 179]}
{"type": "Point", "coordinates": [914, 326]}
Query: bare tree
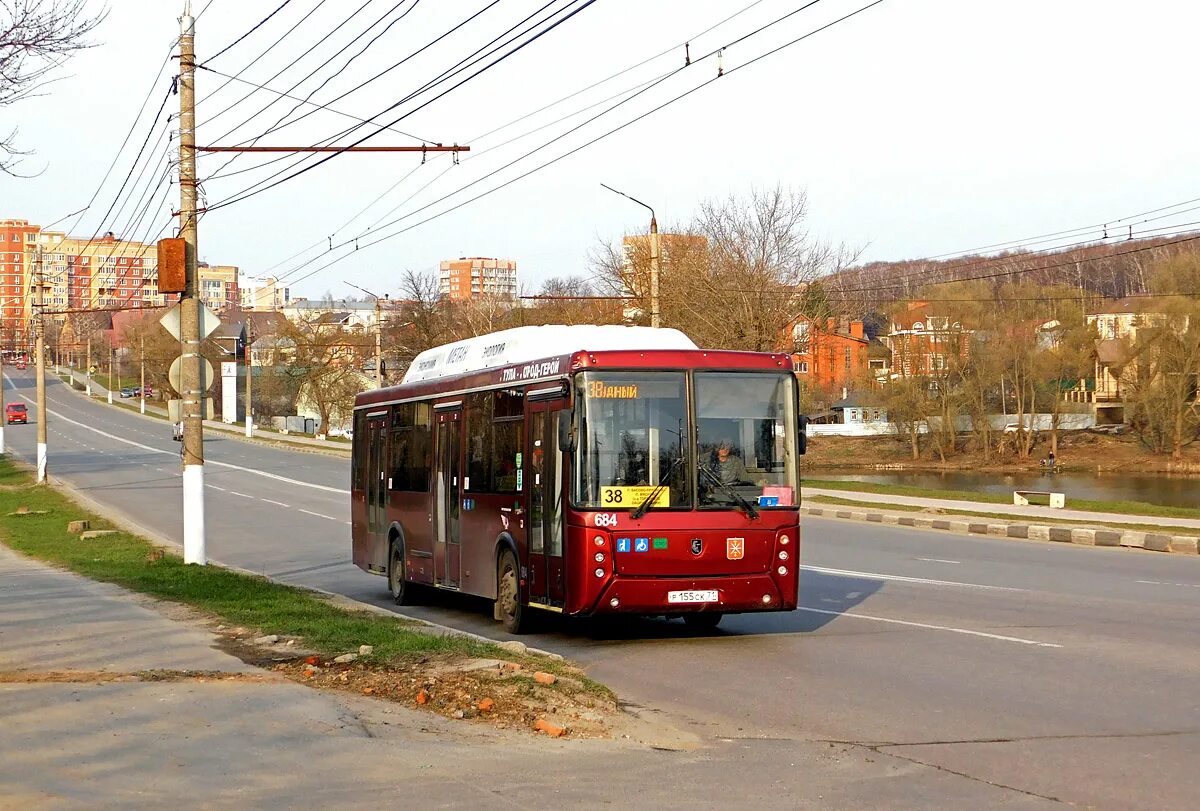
{"type": "Point", "coordinates": [36, 36]}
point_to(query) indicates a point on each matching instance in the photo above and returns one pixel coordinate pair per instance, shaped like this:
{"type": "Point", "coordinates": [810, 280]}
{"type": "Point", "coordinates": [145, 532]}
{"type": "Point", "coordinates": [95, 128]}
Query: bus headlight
{"type": "Point", "coordinates": [783, 555]}
{"type": "Point", "coordinates": [783, 540]}
{"type": "Point", "coordinates": [599, 573]}
{"type": "Point", "coordinates": [599, 557]}
{"type": "Point", "coordinates": [599, 540]}
{"type": "Point", "coordinates": [782, 570]}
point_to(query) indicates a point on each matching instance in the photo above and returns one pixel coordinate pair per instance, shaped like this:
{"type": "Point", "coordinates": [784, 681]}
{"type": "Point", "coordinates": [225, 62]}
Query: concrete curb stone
{"type": "Point", "coordinates": [1083, 536]}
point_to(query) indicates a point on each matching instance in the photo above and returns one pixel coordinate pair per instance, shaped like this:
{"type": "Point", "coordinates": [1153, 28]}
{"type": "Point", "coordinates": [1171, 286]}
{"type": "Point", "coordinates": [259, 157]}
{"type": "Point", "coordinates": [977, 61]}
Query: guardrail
{"type": "Point", "coordinates": [1057, 500]}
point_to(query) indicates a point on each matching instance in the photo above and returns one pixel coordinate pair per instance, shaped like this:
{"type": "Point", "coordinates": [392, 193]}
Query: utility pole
{"type": "Point", "coordinates": [142, 381]}
{"type": "Point", "coordinates": [655, 254]}
{"type": "Point", "coordinates": [3, 417]}
{"type": "Point", "coordinates": [249, 377]}
{"type": "Point", "coordinates": [378, 334]}
{"type": "Point", "coordinates": [189, 305]}
{"type": "Point", "coordinates": [89, 366]}
{"type": "Point", "coordinates": [40, 350]}
{"type": "Point", "coordinates": [111, 353]}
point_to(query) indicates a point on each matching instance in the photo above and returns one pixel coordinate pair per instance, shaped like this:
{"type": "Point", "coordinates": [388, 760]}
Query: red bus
{"type": "Point", "coordinates": [584, 470]}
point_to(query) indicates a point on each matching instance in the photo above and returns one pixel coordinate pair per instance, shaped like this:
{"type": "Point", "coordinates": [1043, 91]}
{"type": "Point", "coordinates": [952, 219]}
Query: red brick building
{"type": "Point", "coordinates": [829, 356]}
{"type": "Point", "coordinates": [924, 342]}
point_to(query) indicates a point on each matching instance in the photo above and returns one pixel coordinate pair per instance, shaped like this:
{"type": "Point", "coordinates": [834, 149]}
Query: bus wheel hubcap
{"type": "Point", "coordinates": [508, 592]}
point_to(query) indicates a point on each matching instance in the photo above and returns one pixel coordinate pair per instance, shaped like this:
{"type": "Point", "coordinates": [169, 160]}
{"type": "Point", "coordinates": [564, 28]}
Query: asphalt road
{"type": "Point", "coordinates": [1023, 674]}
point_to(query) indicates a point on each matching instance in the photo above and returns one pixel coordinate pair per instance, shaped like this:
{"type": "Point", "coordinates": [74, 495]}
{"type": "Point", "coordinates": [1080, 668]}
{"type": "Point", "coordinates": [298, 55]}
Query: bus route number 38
{"type": "Point", "coordinates": [606, 519]}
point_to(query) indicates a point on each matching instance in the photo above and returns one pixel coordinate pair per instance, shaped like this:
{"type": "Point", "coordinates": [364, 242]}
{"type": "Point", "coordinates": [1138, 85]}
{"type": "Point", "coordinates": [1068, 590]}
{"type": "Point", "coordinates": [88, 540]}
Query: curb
{"type": "Point", "coordinates": [130, 525]}
{"type": "Point", "coordinates": [1081, 536]}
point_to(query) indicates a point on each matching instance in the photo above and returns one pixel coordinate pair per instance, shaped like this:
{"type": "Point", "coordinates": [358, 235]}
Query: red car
{"type": "Point", "coordinates": [16, 412]}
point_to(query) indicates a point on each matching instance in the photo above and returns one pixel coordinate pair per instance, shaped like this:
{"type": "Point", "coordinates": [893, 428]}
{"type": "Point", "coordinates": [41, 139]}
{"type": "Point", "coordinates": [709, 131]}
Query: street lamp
{"type": "Point", "coordinates": [655, 316]}
{"type": "Point", "coordinates": [378, 333]}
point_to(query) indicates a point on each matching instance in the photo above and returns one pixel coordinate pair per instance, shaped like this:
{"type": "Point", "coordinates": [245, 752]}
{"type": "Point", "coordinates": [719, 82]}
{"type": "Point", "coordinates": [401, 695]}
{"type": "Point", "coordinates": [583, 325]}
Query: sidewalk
{"type": "Point", "coordinates": [99, 392]}
{"type": "Point", "coordinates": [1032, 511]}
{"type": "Point", "coordinates": [875, 505]}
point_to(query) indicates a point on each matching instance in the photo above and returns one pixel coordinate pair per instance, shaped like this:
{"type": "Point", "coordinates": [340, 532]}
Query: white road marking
{"type": "Point", "coordinates": [318, 515]}
{"type": "Point", "coordinates": [901, 579]}
{"type": "Point", "coordinates": [927, 626]}
{"type": "Point", "coordinates": [276, 503]}
{"type": "Point", "coordinates": [939, 560]}
{"type": "Point", "coordinates": [236, 493]}
{"type": "Point", "coordinates": [214, 487]}
{"type": "Point", "coordinates": [262, 473]}
{"type": "Point", "coordinates": [1166, 583]}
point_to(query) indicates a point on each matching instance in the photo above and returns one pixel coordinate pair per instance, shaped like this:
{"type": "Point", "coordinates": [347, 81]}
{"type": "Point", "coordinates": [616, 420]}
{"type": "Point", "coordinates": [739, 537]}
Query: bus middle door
{"type": "Point", "coordinates": [377, 485]}
{"type": "Point", "coordinates": [546, 577]}
{"type": "Point", "coordinates": [447, 548]}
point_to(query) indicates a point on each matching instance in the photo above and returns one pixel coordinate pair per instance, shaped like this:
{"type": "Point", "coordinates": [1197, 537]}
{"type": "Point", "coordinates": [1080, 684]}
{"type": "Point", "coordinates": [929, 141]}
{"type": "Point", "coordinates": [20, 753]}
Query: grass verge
{"type": "Point", "coordinates": [1134, 527]}
{"type": "Point", "coordinates": [1119, 507]}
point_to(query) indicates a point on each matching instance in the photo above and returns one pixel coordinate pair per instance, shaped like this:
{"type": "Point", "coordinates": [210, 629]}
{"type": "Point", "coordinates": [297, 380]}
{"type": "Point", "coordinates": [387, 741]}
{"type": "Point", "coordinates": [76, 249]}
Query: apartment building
{"type": "Point", "coordinates": [473, 277]}
{"type": "Point", "coordinates": [219, 286]}
{"type": "Point", "coordinates": [268, 296]}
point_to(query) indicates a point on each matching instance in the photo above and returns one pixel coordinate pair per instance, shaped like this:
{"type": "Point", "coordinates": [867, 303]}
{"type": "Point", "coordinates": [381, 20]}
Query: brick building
{"type": "Point", "coordinates": [473, 277]}
{"type": "Point", "coordinates": [830, 356]}
{"type": "Point", "coordinates": [924, 342]}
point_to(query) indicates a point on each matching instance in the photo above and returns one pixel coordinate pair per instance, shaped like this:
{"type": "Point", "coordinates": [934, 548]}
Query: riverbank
{"type": "Point", "coordinates": [1083, 451]}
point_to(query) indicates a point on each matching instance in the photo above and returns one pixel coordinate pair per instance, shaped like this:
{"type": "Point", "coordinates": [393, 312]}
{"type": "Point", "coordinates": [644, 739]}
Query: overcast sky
{"type": "Point", "coordinates": [917, 128]}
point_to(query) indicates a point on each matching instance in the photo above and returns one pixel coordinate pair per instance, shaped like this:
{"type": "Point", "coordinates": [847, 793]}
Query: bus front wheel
{"type": "Point", "coordinates": [509, 610]}
{"type": "Point", "coordinates": [398, 585]}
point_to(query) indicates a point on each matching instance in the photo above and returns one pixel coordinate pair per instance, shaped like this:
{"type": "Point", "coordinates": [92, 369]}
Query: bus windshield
{"type": "Point", "coordinates": [632, 436]}
{"type": "Point", "coordinates": [746, 439]}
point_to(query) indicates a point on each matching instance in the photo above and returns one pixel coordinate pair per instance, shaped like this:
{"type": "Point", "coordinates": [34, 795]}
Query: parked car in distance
{"type": "Point", "coordinates": [129, 391]}
{"type": "Point", "coordinates": [16, 412]}
{"type": "Point", "coordinates": [21, 364]}
{"type": "Point", "coordinates": [177, 431]}
{"type": "Point", "coordinates": [1012, 428]}
{"type": "Point", "coordinates": [147, 392]}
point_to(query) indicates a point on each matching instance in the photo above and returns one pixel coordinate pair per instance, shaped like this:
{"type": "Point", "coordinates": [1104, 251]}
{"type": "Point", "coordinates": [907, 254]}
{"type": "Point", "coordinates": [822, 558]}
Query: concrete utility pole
{"type": "Point", "coordinates": [378, 334]}
{"type": "Point", "coordinates": [40, 350]}
{"type": "Point", "coordinates": [655, 254]}
{"type": "Point", "coordinates": [89, 366]}
{"type": "Point", "coordinates": [111, 354]}
{"type": "Point", "coordinates": [193, 388]}
{"type": "Point", "coordinates": [249, 377]}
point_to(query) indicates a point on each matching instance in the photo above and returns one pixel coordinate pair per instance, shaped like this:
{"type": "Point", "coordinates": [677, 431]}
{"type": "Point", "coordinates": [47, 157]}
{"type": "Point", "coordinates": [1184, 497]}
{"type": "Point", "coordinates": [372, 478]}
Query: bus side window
{"type": "Point", "coordinates": [359, 447]}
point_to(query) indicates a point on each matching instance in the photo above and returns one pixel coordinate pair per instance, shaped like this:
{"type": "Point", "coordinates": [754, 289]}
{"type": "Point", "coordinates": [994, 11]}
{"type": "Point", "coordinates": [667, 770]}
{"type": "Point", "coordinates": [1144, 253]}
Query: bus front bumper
{"type": "Point", "coordinates": [677, 595]}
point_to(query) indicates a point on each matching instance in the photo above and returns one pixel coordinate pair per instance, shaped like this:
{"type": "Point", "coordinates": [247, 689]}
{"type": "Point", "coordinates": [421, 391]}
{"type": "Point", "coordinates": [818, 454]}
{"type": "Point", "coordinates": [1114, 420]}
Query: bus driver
{"type": "Point", "coordinates": [728, 466]}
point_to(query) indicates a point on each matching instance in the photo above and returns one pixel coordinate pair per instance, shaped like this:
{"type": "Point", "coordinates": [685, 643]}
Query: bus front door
{"type": "Point", "coordinates": [448, 497]}
{"type": "Point", "coordinates": [545, 537]}
{"type": "Point", "coordinates": [377, 487]}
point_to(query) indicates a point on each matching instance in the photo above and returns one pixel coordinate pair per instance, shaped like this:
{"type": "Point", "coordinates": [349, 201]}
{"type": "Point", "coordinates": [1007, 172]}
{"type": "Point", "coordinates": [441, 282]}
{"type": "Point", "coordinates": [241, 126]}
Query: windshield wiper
{"type": "Point", "coordinates": [746, 505]}
{"type": "Point", "coordinates": [662, 482]}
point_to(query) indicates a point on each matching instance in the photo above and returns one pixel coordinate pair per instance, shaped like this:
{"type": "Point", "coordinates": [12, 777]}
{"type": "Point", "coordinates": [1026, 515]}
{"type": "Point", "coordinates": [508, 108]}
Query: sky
{"type": "Point", "coordinates": [916, 127]}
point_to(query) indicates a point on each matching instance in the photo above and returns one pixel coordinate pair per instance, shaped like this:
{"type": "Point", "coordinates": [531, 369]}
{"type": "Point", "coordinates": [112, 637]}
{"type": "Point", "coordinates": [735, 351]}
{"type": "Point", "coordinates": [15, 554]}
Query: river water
{"type": "Point", "coordinates": [1175, 491]}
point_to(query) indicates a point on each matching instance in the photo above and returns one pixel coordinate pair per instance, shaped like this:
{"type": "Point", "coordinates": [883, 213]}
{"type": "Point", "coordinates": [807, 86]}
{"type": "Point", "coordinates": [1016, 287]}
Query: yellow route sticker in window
{"type": "Point", "coordinates": [633, 496]}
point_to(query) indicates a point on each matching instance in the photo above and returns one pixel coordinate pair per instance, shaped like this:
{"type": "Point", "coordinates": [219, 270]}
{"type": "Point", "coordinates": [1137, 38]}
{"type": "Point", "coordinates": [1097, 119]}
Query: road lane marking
{"type": "Point", "coordinates": [928, 627]}
{"type": "Point", "coordinates": [276, 503]}
{"type": "Point", "coordinates": [319, 515]}
{"type": "Point", "coordinates": [236, 493]}
{"type": "Point", "coordinates": [902, 579]}
{"type": "Point", "coordinates": [939, 560]}
{"type": "Point", "coordinates": [214, 487]}
{"type": "Point", "coordinates": [1168, 583]}
{"type": "Point", "coordinates": [252, 471]}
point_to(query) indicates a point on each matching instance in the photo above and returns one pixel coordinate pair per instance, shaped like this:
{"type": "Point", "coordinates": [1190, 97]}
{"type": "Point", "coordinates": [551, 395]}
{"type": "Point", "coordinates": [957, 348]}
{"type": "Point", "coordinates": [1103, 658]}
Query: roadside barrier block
{"type": "Point", "coordinates": [977, 528]}
{"type": "Point", "coordinates": [959, 526]}
{"type": "Point", "coordinates": [1087, 537]}
{"type": "Point", "coordinates": [1136, 540]}
{"type": "Point", "coordinates": [843, 514]}
{"type": "Point", "coordinates": [1157, 542]}
{"type": "Point", "coordinates": [1038, 532]}
{"type": "Point", "coordinates": [875, 518]}
{"type": "Point", "coordinates": [940, 524]}
{"type": "Point", "coordinates": [1185, 544]}
{"type": "Point", "coordinates": [907, 521]}
{"type": "Point", "coordinates": [889, 518]}
{"type": "Point", "coordinates": [1106, 537]}
{"type": "Point", "coordinates": [998, 530]}
{"type": "Point", "coordinates": [1061, 534]}
{"type": "Point", "coordinates": [858, 516]}
{"type": "Point", "coordinates": [1018, 530]}
{"type": "Point", "coordinates": [923, 523]}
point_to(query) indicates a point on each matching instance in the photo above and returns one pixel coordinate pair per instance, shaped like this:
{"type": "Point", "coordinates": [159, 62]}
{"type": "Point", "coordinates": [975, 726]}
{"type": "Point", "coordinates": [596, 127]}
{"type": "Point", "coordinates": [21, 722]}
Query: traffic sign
{"type": "Point", "coordinates": [208, 321]}
{"type": "Point", "coordinates": [175, 375]}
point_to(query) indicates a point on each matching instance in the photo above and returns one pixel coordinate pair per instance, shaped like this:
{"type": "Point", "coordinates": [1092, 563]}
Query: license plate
{"type": "Point", "coordinates": [707, 596]}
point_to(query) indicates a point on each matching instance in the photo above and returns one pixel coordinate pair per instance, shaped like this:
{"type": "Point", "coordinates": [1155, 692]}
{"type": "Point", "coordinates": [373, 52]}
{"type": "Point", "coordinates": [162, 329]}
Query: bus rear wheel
{"type": "Point", "coordinates": [704, 621]}
{"type": "Point", "coordinates": [509, 609]}
{"type": "Point", "coordinates": [398, 585]}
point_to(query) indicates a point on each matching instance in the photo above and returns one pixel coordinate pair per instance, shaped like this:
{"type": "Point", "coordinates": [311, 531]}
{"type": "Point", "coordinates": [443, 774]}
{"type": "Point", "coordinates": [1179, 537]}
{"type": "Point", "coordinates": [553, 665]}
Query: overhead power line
{"type": "Point", "coordinates": [257, 26]}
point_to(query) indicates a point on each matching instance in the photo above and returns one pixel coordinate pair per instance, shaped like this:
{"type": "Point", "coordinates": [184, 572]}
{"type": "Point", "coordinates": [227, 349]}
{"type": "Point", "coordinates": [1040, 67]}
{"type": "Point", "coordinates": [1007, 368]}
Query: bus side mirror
{"type": "Point", "coordinates": [802, 434]}
{"type": "Point", "coordinates": [564, 431]}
